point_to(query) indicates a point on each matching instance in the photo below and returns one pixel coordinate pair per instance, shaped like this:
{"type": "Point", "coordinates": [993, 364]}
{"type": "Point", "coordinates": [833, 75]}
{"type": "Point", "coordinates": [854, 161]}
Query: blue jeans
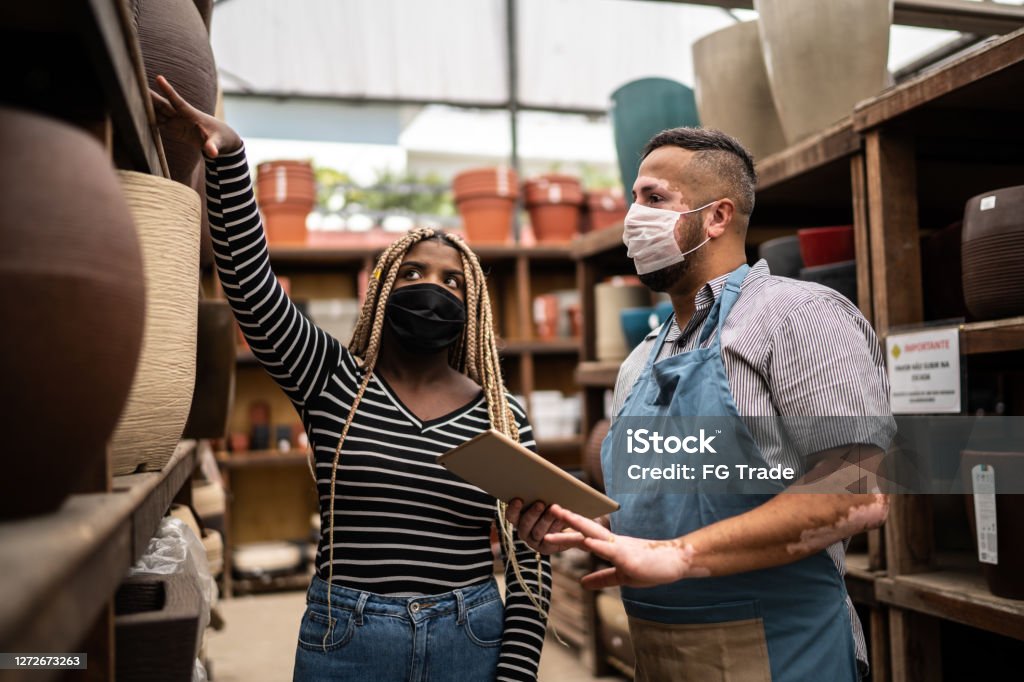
{"type": "Point", "coordinates": [450, 637]}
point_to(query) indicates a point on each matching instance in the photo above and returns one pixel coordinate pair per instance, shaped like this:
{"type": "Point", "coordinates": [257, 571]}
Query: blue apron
{"type": "Point", "coordinates": [800, 606]}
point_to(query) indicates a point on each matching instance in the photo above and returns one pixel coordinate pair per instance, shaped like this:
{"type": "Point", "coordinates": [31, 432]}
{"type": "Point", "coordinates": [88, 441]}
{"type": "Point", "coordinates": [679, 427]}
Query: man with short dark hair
{"type": "Point", "coordinates": [741, 583]}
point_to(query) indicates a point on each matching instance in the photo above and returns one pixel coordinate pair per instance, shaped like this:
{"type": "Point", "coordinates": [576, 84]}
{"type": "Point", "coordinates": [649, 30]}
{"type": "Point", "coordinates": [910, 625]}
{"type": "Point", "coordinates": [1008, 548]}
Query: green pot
{"type": "Point", "coordinates": [642, 108]}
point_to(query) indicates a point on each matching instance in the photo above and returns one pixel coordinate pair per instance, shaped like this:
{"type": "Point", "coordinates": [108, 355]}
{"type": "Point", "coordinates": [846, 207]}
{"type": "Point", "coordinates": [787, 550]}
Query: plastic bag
{"type": "Point", "coordinates": [175, 549]}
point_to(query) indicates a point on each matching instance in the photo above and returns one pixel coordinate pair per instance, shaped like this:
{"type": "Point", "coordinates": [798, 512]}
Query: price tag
{"type": "Point", "coordinates": [983, 478]}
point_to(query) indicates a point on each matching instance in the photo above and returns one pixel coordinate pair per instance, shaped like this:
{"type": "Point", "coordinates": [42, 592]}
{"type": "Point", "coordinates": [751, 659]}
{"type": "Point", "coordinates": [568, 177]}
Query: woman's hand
{"type": "Point", "coordinates": [184, 121]}
{"type": "Point", "coordinates": [635, 562]}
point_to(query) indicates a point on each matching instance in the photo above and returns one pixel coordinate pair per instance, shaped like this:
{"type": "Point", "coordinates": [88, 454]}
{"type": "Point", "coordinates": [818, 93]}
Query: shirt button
{"type": "Point", "coordinates": [415, 608]}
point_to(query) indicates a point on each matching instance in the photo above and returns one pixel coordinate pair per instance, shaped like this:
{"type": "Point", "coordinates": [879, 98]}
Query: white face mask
{"type": "Point", "coordinates": [650, 237]}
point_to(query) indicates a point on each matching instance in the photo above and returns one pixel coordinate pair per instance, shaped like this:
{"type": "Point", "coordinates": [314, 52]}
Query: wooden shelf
{"type": "Point", "coordinates": [955, 593]}
{"type": "Point", "coordinates": [597, 374]}
{"type": "Point", "coordinates": [262, 459]}
{"type": "Point", "coordinates": [860, 580]}
{"type": "Point", "coordinates": [558, 346]}
{"type": "Point", "coordinates": [284, 583]}
{"type": "Point", "coordinates": [992, 336]}
{"type": "Point", "coordinates": [563, 452]}
{"type": "Point", "coordinates": [61, 569]}
{"type": "Point", "coordinates": [981, 79]}
{"type": "Point", "coordinates": [832, 144]}
{"type": "Point", "coordinates": [598, 242]}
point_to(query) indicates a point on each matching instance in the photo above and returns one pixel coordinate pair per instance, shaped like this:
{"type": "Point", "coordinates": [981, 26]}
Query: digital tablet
{"type": "Point", "coordinates": [505, 469]}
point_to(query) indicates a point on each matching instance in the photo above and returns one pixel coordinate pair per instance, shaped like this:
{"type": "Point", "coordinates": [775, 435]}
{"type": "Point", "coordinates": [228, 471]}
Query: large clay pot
{"type": "Point", "coordinates": [823, 58]}
{"type": "Point", "coordinates": [72, 302]}
{"type": "Point", "coordinates": [639, 110]}
{"type": "Point", "coordinates": [732, 89]}
{"type": "Point", "coordinates": [604, 208]}
{"type": "Point", "coordinates": [166, 216]}
{"type": "Point", "coordinates": [993, 253]}
{"type": "Point", "coordinates": [215, 372]}
{"type": "Point", "coordinates": [175, 44]}
{"type": "Point", "coordinates": [1006, 578]}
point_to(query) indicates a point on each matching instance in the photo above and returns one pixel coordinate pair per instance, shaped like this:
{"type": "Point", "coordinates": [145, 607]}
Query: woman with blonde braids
{"type": "Point", "coordinates": [404, 586]}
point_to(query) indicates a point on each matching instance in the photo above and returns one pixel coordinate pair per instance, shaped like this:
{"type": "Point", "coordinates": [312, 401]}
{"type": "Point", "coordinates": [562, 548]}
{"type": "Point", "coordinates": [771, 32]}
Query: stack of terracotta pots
{"type": "Point", "coordinates": [554, 203]}
{"type": "Point", "coordinates": [604, 207]}
{"type": "Point", "coordinates": [286, 192]}
{"type": "Point", "coordinates": [486, 199]}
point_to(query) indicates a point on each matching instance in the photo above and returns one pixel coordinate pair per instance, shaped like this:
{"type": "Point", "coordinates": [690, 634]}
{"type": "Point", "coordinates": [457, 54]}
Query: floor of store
{"type": "Point", "coordinates": [257, 643]}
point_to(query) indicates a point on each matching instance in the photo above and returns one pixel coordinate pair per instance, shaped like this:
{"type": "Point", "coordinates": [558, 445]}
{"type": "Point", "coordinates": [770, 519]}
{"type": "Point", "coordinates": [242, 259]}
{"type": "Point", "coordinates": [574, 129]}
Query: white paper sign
{"type": "Point", "coordinates": [984, 480]}
{"type": "Point", "coordinates": [924, 371]}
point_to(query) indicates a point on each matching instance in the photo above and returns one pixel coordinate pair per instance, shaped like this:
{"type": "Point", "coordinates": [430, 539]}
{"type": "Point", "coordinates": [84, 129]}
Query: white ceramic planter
{"type": "Point", "coordinates": [732, 89]}
{"type": "Point", "coordinates": [166, 215]}
{"type": "Point", "coordinates": [822, 58]}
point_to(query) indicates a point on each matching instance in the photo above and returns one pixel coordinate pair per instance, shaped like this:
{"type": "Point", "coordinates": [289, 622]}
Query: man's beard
{"type": "Point", "coordinates": [666, 278]}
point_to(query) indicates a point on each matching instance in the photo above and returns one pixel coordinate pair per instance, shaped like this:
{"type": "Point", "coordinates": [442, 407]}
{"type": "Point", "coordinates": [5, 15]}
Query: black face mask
{"type": "Point", "coordinates": [426, 318]}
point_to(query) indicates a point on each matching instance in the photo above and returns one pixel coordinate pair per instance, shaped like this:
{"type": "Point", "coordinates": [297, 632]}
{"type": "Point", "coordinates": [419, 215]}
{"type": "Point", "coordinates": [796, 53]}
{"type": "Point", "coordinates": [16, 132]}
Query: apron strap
{"type": "Point", "coordinates": [720, 311]}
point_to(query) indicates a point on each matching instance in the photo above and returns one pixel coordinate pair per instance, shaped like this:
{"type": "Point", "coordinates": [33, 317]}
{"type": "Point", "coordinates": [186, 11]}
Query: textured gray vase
{"type": "Point", "coordinates": [732, 89]}
{"type": "Point", "coordinates": [822, 58]}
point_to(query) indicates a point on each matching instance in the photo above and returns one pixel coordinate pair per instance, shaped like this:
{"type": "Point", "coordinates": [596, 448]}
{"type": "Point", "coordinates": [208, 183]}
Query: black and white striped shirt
{"type": "Point", "coordinates": [790, 349]}
{"type": "Point", "coordinates": [403, 525]}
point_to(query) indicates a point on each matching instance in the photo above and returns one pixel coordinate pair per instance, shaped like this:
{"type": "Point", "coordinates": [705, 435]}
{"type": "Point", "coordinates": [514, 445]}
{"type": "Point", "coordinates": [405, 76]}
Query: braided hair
{"type": "Point", "coordinates": [475, 354]}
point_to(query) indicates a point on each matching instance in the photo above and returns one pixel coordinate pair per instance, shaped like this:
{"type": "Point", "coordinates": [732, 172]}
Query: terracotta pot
{"type": "Point", "coordinates": [215, 372]}
{"type": "Point", "coordinates": [732, 89]}
{"type": "Point", "coordinates": [501, 181]}
{"type": "Point", "coordinates": [281, 181]}
{"type": "Point", "coordinates": [167, 220]}
{"type": "Point", "coordinates": [822, 58]}
{"type": "Point", "coordinates": [993, 253]}
{"type": "Point", "coordinates": [1005, 579]}
{"type": "Point", "coordinates": [554, 204]}
{"type": "Point", "coordinates": [285, 223]}
{"type": "Point", "coordinates": [545, 316]}
{"type": "Point", "coordinates": [824, 245]}
{"type": "Point", "coordinates": [175, 44]}
{"type": "Point", "coordinates": [487, 220]}
{"type": "Point", "coordinates": [604, 208]}
{"type": "Point", "coordinates": [72, 302]}
{"type": "Point", "coordinates": [610, 299]}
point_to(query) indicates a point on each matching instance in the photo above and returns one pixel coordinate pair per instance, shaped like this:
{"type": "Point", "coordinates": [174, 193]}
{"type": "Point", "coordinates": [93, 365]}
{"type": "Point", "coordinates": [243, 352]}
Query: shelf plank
{"type": "Point", "coordinates": [993, 336]}
{"type": "Point", "coordinates": [832, 144]}
{"type": "Point", "coordinates": [557, 346]}
{"type": "Point", "coordinates": [957, 594]}
{"type": "Point", "coordinates": [860, 580]}
{"type": "Point", "coordinates": [60, 570]}
{"type": "Point", "coordinates": [1003, 56]}
{"type": "Point", "coordinates": [597, 374]}
{"type": "Point", "coordinates": [597, 242]}
{"type": "Point", "coordinates": [563, 452]}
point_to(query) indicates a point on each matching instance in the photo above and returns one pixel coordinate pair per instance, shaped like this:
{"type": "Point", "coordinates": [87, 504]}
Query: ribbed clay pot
{"type": "Point", "coordinates": [175, 44]}
{"type": "Point", "coordinates": [72, 302]}
{"type": "Point", "coordinates": [1005, 578]}
{"type": "Point", "coordinates": [166, 217]}
{"type": "Point", "coordinates": [214, 390]}
{"type": "Point", "coordinates": [732, 89]}
{"type": "Point", "coordinates": [554, 203]}
{"type": "Point", "coordinates": [993, 253]}
{"type": "Point", "coordinates": [822, 58]}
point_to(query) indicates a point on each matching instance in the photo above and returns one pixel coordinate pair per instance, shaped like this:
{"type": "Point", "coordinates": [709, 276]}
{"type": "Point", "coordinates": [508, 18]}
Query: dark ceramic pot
{"type": "Point", "coordinates": [1006, 578]}
{"type": "Point", "coordinates": [782, 255]}
{"type": "Point", "coordinates": [215, 372]}
{"type": "Point", "coordinates": [176, 45]}
{"type": "Point", "coordinates": [993, 254]}
{"type": "Point", "coordinates": [72, 301]}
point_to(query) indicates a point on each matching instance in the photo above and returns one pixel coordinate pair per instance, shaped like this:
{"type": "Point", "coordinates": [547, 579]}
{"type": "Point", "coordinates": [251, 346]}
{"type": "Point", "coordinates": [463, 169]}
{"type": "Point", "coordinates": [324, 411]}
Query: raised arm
{"type": "Point", "coordinates": [296, 353]}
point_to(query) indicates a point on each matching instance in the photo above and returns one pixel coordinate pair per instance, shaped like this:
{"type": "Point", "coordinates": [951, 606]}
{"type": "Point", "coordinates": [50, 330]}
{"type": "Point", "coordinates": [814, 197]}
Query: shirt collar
{"type": "Point", "coordinates": [709, 293]}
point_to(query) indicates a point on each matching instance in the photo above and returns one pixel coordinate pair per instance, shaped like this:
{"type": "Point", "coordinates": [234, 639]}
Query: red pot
{"type": "Point", "coordinates": [604, 208]}
{"type": "Point", "coordinates": [824, 245]}
{"type": "Point", "coordinates": [487, 220]}
{"type": "Point", "coordinates": [555, 222]}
